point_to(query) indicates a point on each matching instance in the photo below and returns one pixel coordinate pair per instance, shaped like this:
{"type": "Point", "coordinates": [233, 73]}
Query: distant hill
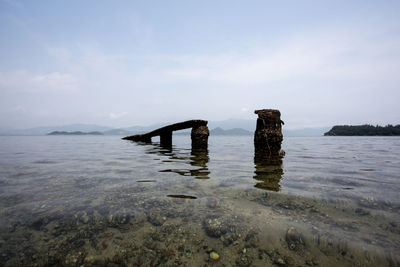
{"type": "Point", "coordinates": [234, 131]}
{"type": "Point", "coordinates": [47, 129]}
{"type": "Point", "coordinates": [231, 126]}
{"type": "Point", "coordinates": [74, 133]}
{"type": "Point", "coordinates": [121, 132]}
{"type": "Point", "coordinates": [363, 130]}
{"type": "Point", "coordinates": [248, 125]}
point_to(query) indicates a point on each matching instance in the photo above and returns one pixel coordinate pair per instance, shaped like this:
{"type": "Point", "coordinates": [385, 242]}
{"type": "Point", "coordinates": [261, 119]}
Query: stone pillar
{"type": "Point", "coordinates": [200, 137]}
{"type": "Point", "coordinates": [268, 135]}
{"type": "Point", "coordinates": [166, 139]}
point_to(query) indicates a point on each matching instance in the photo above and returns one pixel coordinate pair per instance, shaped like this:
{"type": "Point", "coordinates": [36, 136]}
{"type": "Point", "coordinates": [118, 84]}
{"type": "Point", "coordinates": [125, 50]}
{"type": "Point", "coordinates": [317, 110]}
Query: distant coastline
{"type": "Point", "coordinates": [74, 133]}
{"type": "Point", "coordinates": [364, 130]}
{"type": "Point", "coordinates": [229, 127]}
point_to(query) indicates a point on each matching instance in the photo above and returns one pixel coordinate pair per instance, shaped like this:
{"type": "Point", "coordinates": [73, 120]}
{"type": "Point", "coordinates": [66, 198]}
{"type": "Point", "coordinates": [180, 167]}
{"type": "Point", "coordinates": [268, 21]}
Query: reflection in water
{"type": "Point", "coordinates": [182, 196]}
{"type": "Point", "coordinates": [269, 171]}
{"type": "Point", "coordinates": [198, 158]}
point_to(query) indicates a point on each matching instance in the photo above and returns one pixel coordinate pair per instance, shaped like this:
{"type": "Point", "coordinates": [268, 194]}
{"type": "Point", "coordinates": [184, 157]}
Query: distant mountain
{"type": "Point", "coordinates": [121, 132]}
{"type": "Point", "coordinates": [234, 131]}
{"type": "Point", "coordinates": [248, 125]}
{"type": "Point", "coordinates": [232, 124]}
{"type": "Point", "coordinates": [74, 133]}
{"type": "Point", "coordinates": [7, 131]}
{"type": "Point", "coordinates": [47, 129]}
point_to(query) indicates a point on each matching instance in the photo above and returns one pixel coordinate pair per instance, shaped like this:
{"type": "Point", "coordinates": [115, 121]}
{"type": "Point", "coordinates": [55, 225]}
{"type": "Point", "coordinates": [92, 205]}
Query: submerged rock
{"type": "Point", "coordinates": [214, 227]}
{"type": "Point", "coordinates": [84, 218]}
{"type": "Point", "coordinates": [214, 256]}
{"type": "Point", "coordinates": [280, 261]}
{"type": "Point", "coordinates": [294, 239]}
{"type": "Point", "coordinates": [229, 238]}
{"type": "Point", "coordinates": [156, 219]}
{"type": "Point", "coordinates": [362, 212]}
{"type": "Point", "coordinates": [244, 260]}
{"type": "Point", "coordinates": [116, 220]}
{"type": "Point", "coordinates": [38, 223]}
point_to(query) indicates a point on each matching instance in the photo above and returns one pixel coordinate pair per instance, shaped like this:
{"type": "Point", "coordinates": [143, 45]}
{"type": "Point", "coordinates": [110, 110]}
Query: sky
{"type": "Point", "coordinates": [126, 63]}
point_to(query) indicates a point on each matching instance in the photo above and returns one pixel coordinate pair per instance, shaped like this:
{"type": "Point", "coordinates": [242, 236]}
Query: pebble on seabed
{"type": "Point", "coordinates": [214, 255]}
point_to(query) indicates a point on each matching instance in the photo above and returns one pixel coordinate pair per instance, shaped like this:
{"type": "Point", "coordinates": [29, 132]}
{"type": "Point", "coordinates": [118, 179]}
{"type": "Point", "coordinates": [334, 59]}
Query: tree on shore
{"type": "Point", "coordinates": [364, 130]}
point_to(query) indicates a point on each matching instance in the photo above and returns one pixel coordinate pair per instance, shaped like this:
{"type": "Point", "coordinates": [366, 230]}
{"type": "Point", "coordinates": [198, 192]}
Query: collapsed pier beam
{"type": "Point", "coordinates": [199, 134]}
{"type": "Point", "coordinates": [268, 135]}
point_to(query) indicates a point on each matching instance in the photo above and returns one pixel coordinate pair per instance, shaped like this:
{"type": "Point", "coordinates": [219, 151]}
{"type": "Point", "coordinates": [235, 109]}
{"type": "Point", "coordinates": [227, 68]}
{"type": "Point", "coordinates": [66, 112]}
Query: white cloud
{"type": "Point", "coordinates": [22, 80]}
{"type": "Point", "coordinates": [337, 54]}
{"type": "Point", "coordinates": [60, 53]}
{"type": "Point", "coordinates": [317, 71]}
{"type": "Point", "coordinates": [115, 116]}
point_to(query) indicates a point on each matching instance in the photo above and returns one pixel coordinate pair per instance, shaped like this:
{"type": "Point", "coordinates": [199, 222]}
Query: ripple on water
{"type": "Point", "coordinates": [368, 170]}
{"type": "Point", "coordinates": [44, 161]}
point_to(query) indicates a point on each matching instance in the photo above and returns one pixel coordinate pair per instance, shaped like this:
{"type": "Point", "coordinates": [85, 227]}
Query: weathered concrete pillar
{"type": "Point", "coordinates": [268, 135]}
{"type": "Point", "coordinates": [166, 139]}
{"type": "Point", "coordinates": [200, 137]}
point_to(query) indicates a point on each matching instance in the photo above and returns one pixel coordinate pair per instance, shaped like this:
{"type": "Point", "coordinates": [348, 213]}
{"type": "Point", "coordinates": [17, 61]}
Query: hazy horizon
{"type": "Point", "coordinates": [156, 125]}
{"type": "Point", "coordinates": [138, 63]}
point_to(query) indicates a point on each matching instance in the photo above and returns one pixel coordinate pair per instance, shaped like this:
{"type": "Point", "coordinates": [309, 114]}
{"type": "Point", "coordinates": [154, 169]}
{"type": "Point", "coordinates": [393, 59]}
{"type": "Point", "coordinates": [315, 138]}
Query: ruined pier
{"type": "Point", "coordinates": [199, 134]}
{"type": "Point", "coordinates": [268, 135]}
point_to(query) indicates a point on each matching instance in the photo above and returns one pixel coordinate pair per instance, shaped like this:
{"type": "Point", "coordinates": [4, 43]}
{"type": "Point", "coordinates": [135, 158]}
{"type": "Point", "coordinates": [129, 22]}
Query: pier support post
{"type": "Point", "coordinates": [166, 139]}
{"type": "Point", "coordinates": [199, 137]}
{"type": "Point", "coordinates": [268, 135]}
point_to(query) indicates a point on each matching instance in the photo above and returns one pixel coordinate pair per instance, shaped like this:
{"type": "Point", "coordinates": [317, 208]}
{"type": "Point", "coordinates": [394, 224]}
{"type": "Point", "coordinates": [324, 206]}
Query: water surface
{"type": "Point", "coordinates": [100, 200]}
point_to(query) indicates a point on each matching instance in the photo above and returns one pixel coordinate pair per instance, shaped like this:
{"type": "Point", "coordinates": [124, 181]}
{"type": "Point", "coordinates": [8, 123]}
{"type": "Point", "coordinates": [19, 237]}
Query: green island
{"type": "Point", "coordinates": [74, 133]}
{"type": "Point", "coordinates": [364, 130]}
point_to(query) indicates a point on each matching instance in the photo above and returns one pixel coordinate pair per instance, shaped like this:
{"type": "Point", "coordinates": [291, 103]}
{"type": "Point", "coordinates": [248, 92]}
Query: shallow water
{"type": "Point", "coordinates": [100, 200]}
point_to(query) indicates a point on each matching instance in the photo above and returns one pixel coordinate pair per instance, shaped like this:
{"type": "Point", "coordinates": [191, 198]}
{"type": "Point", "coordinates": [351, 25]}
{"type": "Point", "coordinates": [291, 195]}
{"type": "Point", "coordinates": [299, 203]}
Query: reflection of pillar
{"type": "Point", "coordinates": [268, 170]}
{"type": "Point", "coordinates": [268, 135]}
{"type": "Point", "coordinates": [200, 137]}
{"type": "Point", "coordinates": [199, 158]}
{"type": "Point", "coordinates": [166, 139]}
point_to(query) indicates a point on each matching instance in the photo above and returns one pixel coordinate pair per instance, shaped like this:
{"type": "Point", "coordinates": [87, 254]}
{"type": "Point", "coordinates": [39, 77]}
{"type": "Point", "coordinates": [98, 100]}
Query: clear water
{"type": "Point", "coordinates": [100, 200]}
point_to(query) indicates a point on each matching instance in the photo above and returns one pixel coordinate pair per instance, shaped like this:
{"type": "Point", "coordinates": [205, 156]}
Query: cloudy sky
{"type": "Point", "coordinates": [125, 63]}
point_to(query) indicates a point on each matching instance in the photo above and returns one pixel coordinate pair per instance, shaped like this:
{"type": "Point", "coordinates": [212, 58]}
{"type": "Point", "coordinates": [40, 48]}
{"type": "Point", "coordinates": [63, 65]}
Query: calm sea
{"type": "Point", "coordinates": [103, 201]}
